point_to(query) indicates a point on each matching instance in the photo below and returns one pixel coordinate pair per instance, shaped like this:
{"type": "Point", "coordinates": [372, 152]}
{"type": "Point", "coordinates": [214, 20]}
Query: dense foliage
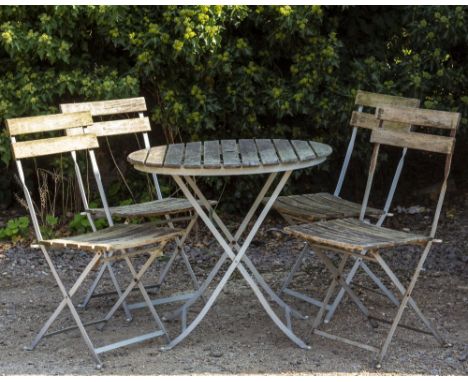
{"type": "Point", "coordinates": [233, 71]}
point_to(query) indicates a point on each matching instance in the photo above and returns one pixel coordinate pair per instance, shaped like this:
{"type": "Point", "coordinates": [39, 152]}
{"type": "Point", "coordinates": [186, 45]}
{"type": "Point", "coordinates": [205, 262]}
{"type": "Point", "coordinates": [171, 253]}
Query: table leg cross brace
{"type": "Point", "coordinates": [236, 258]}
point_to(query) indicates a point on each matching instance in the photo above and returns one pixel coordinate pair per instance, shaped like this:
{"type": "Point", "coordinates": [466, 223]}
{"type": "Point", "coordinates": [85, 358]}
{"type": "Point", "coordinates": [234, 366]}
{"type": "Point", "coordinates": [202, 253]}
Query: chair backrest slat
{"type": "Point", "coordinates": [49, 146]}
{"type": "Point", "coordinates": [117, 127]}
{"type": "Point", "coordinates": [379, 100]}
{"type": "Point", "coordinates": [413, 140]}
{"type": "Point", "coordinates": [44, 123]}
{"type": "Point", "coordinates": [100, 108]}
{"type": "Point", "coordinates": [423, 117]}
{"type": "Point", "coordinates": [364, 120]}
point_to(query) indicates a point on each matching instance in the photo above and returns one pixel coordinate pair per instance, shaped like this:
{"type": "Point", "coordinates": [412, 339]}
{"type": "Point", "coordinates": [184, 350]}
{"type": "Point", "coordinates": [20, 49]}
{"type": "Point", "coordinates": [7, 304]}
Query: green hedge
{"type": "Point", "coordinates": [232, 71]}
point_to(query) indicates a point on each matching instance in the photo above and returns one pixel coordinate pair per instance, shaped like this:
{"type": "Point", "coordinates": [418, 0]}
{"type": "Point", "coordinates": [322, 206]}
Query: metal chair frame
{"type": "Point", "coordinates": [115, 107]}
{"type": "Point", "coordinates": [363, 99]}
{"type": "Point", "coordinates": [424, 118]}
{"type": "Point", "coordinates": [40, 147]}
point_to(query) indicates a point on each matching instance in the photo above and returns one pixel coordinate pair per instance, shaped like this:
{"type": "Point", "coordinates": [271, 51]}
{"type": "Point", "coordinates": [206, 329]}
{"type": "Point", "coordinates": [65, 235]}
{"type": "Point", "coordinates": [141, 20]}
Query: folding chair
{"type": "Point", "coordinates": [131, 120]}
{"type": "Point", "coordinates": [352, 237]}
{"type": "Point", "coordinates": [325, 206]}
{"type": "Point", "coordinates": [118, 242]}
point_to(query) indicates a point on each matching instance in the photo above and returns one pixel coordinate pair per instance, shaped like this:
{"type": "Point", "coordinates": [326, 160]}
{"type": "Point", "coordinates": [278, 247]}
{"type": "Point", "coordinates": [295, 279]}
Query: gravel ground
{"type": "Point", "coordinates": [237, 337]}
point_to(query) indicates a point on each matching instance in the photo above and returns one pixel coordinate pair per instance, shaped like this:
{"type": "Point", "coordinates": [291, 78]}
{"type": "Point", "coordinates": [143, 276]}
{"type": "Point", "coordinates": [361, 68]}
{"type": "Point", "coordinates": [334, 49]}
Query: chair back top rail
{"type": "Point", "coordinates": [44, 123]}
{"type": "Point", "coordinates": [109, 107]}
{"type": "Point", "coordinates": [376, 100]}
{"type": "Point", "coordinates": [116, 127]}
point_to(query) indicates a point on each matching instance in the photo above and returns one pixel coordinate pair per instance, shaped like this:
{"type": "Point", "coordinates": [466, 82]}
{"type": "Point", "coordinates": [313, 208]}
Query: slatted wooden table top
{"type": "Point", "coordinates": [230, 157]}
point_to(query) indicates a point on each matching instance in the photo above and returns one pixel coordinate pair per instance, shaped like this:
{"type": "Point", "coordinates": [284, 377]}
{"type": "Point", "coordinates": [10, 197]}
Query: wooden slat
{"type": "Point", "coordinates": [138, 157]}
{"type": "Point", "coordinates": [193, 152]}
{"type": "Point", "coordinates": [418, 141]}
{"type": "Point", "coordinates": [211, 154]}
{"type": "Point", "coordinates": [174, 155]}
{"type": "Point", "coordinates": [303, 150]}
{"type": "Point", "coordinates": [267, 152]}
{"type": "Point", "coordinates": [378, 100]}
{"type": "Point", "coordinates": [118, 106]}
{"type": "Point", "coordinates": [352, 234]}
{"type": "Point", "coordinates": [321, 149]}
{"type": "Point", "coordinates": [43, 123]}
{"type": "Point", "coordinates": [285, 151]}
{"type": "Point", "coordinates": [249, 154]}
{"type": "Point", "coordinates": [152, 208]}
{"type": "Point", "coordinates": [320, 206]}
{"type": "Point", "coordinates": [364, 120]}
{"type": "Point", "coordinates": [120, 236]}
{"type": "Point", "coordinates": [156, 156]}
{"type": "Point", "coordinates": [421, 117]}
{"type": "Point", "coordinates": [230, 154]}
{"type": "Point", "coordinates": [119, 127]}
{"type": "Point", "coordinates": [41, 147]}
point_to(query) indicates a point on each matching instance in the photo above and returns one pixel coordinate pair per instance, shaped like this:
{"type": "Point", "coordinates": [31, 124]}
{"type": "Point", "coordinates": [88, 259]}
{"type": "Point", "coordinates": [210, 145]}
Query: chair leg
{"type": "Point", "coordinates": [137, 281]}
{"type": "Point", "coordinates": [340, 279]}
{"type": "Point", "coordinates": [404, 302]}
{"type": "Point", "coordinates": [66, 301]}
{"type": "Point", "coordinates": [294, 269]}
{"type": "Point", "coordinates": [328, 295]}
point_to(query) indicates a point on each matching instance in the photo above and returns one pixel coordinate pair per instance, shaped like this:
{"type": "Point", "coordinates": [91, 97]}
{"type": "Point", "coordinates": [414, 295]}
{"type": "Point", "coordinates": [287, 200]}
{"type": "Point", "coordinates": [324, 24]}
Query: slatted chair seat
{"type": "Point", "coordinates": [153, 208]}
{"type": "Point", "coordinates": [320, 206]}
{"type": "Point", "coordinates": [354, 235]}
{"type": "Point", "coordinates": [117, 237]}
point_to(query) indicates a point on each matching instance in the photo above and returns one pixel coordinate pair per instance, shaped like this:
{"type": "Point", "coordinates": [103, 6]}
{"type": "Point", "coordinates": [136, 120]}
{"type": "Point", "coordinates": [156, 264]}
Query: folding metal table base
{"type": "Point", "coordinates": [237, 254]}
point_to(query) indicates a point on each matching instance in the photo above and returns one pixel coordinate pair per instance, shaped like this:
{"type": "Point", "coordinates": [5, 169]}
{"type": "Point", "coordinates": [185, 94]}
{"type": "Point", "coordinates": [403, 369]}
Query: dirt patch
{"type": "Point", "coordinates": [237, 337]}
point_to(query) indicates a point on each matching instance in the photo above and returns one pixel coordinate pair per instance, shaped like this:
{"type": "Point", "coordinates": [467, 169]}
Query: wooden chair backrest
{"type": "Point", "coordinates": [48, 123]}
{"type": "Point", "coordinates": [364, 120]}
{"type": "Point", "coordinates": [433, 120]}
{"type": "Point", "coordinates": [112, 127]}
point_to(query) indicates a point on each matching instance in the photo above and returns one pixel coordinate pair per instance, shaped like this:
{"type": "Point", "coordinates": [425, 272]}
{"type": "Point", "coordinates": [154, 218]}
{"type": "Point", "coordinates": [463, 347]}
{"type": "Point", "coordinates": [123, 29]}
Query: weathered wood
{"type": "Point", "coordinates": [97, 108]}
{"type": "Point", "coordinates": [285, 151]}
{"type": "Point", "coordinates": [320, 149]}
{"type": "Point", "coordinates": [421, 117]}
{"type": "Point", "coordinates": [41, 147]}
{"type": "Point", "coordinates": [303, 150]}
{"type": "Point", "coordinates": [174, 155]}
{"type": "Point", "coordinates": [230, 153]}
{"type": "Point", "coordinates": [119, 127]}
{"type": "Point", "coordinates": [156, 156]}
{"type": "Point", "coordinates": [249, 154]}
{"type": "Point", "coordinates": [211, 154]}
{"type": "Point", "coordinates": [267, 152]}
{"type": "Point", "coordinates": [193, 152]}
{"type": "Point", "coordinates": [378, 100]}
{"type": "Point", "coordinates": [320, 206]}
{"type": "Point", "coordinates": [117, 237]}
{"type": "Point", "coordinates": [412, 140]}
{"type": "Point", "coordinates": [353, 235]}
{"type": "Point", "coordinates": [51, 122]}
{"type": "Point", "coordinates": [153, 208]}
{"type": "Point", "coordinates": [364, 120]}
{"type": "Point", "coordinates": [138, 156]}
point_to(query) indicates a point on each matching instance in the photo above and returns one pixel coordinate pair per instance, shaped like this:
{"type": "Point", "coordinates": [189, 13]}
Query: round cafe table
{"type": "Point", "coordinates": [184, 161]}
